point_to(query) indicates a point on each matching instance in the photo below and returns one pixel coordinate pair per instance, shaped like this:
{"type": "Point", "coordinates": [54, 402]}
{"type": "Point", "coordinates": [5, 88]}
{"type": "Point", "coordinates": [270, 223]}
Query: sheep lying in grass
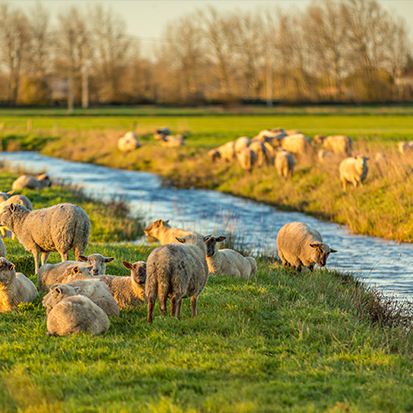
{"type": "Point", "coordinates": [228, 261]}
{"type": "Point", "coordinates": [302, 246]}
{"type": "Point", "coordinates": [160, 230]}
{"type": "Point", "coordinates": [353, 170]}
{"type": "Point", "coordinates": [15, 288]}
{"type": "Point", "coordinates": [247, 159]}
{"type": "Point", "coordinates": [69, 313]}
{"type": "Point", "coordinates": [128, 291]}
{"type": "Point", "coordinates": [25, 181]}
{"type": "Point", "coordinates": [73, 272]}
{"type": "Point", "coordinates": [241, 143]}
{"type": "Point", "coordinates": [225, 152]}
{"type": "Point", "coordinates": [57, 228]}
{"type": "Point", "coordinates": [339, 144]}
{"type": "Point", "coordinates": [170, 140]}
{"type": "Point", "coordinates": [48, 274]}
{"type": "Point", "coordinates": [284, 163]}
{"type": "Point", "coordinates": [128, 142]}
{"type": "Point", "coordinates": [4, 196]}
{"type": "Point", "coordinates": [178, 271]}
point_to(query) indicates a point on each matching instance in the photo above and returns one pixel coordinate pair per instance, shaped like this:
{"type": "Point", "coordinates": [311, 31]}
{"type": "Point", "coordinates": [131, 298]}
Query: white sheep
{"type": "Point", "coordinates": [247, 159]}
{"type": "Point", "coordinates": [302, 246]}
{"type": "Point", "coordinates": [225, 152]}
{"type": "Point", "coordinates": [57, 228]}
{"type": "Point", "coordinates": [228, 261]}
{"type": "Point", "coordinates": [128, 291]}
{"type": "Point", "coordinates": [128, 142]}
{"type": "Point", "coordinates": [338, 144]}
{"type": "Point", "coordinates": [48, 274]}
{"type": "Point", "coordinates": [297, 145]}
{"type": "Point", "coordinates": [178, 271]}
{"type": "Point", "coordinates": [161, 231]}
{"type": "Point", "coordinates": [16, 200]}
{"type": "Point", "coordinates": [30, 182]}
{"type": "Point", "coordinates": [69, 313]}
{"type": "Point", "coordinates": [284, 163]}
{"type": "Point", "coordinates": [241, 143]}
{"type": "Point", "coordinates": [15, 288]}
{"type": "Point", "coordinates": [354, 170]}
{"type": "Point", "coordinates": [261, 152]}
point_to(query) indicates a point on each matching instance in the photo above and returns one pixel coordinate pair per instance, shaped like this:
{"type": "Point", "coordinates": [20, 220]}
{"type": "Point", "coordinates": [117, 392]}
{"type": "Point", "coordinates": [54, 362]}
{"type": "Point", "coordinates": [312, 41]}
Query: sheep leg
{"type": "Point", "coordinates": [36, 256]}
{"type": "Point", "coordinates": [151, 307]}
{"type": "Point", "coordinates": [193, 305]}
{"type": "Point", "coordinates": [162, 303]}
{"type": "Point", "coordinates": [311, 267]}
{"type": "Point", "coordinates": [65, 256]}
{"type": "Point", "coordinates": [298, 267]}
{"type": "Point", "coordinates": [174, 305]}
{"type": "Point", "coordinates": [45, 256]}
{"type": "Point", "coordinates": [178, 309]}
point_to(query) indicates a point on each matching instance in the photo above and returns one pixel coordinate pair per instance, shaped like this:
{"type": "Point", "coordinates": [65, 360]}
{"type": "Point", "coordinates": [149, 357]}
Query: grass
{"type": "Point", "coordinates": [284, 341]}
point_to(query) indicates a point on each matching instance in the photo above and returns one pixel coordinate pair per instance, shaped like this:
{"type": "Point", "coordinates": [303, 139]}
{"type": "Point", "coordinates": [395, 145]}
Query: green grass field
{"type": "Point", "coordinates": [291, 342]}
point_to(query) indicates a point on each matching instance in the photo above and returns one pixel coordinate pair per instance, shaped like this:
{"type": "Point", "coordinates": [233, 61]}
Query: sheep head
{"type": "Point", "coordinates": [138, 271]}
{"type": "Point", "coordinates": [57, 293]}
{"type": "Point", "coordinates": [12, 213]}
{"type": "Point", "coordinates": [211, 245]}
{"type": "Point", "coordinates": [97, 263]}
{"type": "Point", "coordinates": [321, 253]}
{"type": "Point", "coordinates": [7, 272]}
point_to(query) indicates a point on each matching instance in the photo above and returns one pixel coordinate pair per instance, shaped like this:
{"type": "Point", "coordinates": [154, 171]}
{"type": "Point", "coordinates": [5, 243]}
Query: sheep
{"type": "Point", "coordinates": [276, 140]}
{"type": "Point", "coordinates": [405, 147]}
{"type": "Point", "coordinates": [353, 170]}
{"type": "Point", "coordinates": [15, 288]}
{"type": "Point", "coordinates": [297, 145]}
{"type": "Point", "coordinates": [270, 153]}
{"type": "Point", "coordinates": [128, 142]}
{"type": "Point", "coordinates": [163, 131]}
{"type": "Point", "coordinates": [302, 246]}
{"type": "Point", "coordinates": [69, 313]}
{"type": "Point", "coordinates": [247, 159]}
{"type": "Point", "coordinates": [72, 272]}
{"type": "Point", "coordinates": [25, 181]}
{"type": "Point", "coordinates": [16, 200]}
{"type": "Point", "coordinates": [48, 274]}
{"type": "Point", "coordinates": [160, 230]}
{"type": "Point", "coordinates": [241, 143]}
{"type": "Point", "coordinates": [261, 151]}
{"type": "Point", "coordinates": [322, 155]}
{"type": "Point", "coordinates": [3, 251]}
{"type": "Point", "coordinates": [128, 291]}
{"type": "Point", "coordinates": [339, 144]}
{"type": "Point", "coordinates": [293, 132]}
{"type": "Point", "coordinates": [170, 140]}
{"type": "Point", "coordinates": [228, 261]}
{"type": "Point", "coordinates": [226, 152]}
{"type": "Point", "coordinates": [4, 196]}
{"type": "Point", "coordinates": [284, 163]}
{"type": "Point", "coordinates": [57, 228]}
{"type": "Point", "coordinates": [178, 271]}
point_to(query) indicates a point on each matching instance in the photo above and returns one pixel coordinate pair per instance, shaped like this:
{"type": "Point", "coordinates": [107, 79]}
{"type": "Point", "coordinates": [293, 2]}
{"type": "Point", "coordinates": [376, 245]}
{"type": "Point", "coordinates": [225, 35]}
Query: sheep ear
{"type": "Point", "coordinates": [221, 238]}
{"type": "Point", "coordinates": [127, 265]}
{"type": "Point", "coordinates": [333, 251]}
{"type": "Point", "coordinates": [76, 269]}
{"type": "Point", "coordinates": [83, 258]}
{"type": "Point", "coordinates": [160, 222]}
{"type": "Point", "coordinates": [58, 290]}
{"type": "Point", "coordinates": [166, 221]}
{"type": "Point", "coordinates": [12, 207]}
{"type": "Point", "coordinates": [181, 240]}
{"type": "Point", "coordinates": [316, 245]}
{"type": "Point", "coordinates": [108, 259]}
{"type": "Point", "coordinates": [207, 237]}
{"type": "Point", "coordinates": [11, 266]}
{"type": "Point", "coordinates": [10, 192]}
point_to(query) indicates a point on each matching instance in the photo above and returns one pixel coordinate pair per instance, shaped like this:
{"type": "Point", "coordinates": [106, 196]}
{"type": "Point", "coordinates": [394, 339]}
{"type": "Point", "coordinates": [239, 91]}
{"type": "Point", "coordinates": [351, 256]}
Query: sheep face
{"type": "Point", "coordinates": [78, 271]}
{"type": "Point", "coordinates": [57, 293]}
{"type": "Point", "coordinates": [138, 271]}
{"type": "Point", "coordinates": [321, 253]}
{"type": "Point", "coordinates": [149, 231]}
{"type": "Point", "coordinates": [10, 213]}
{"type": "Point", "coordinates": [7, 272]}
{"type": "Point", "coordinates": [97, 263]}
{"type": "Point", "coordinates": [211, 245]}
{"type": "Point", "coordinates": [214, 155]}
{"type": "Point", "coordinates": [361, 162]}
{"type": "Point", "coordinates": [192, 239]}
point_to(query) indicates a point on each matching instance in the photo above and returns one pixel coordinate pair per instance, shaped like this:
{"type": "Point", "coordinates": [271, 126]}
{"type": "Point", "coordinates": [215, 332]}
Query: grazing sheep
{"type": "Point", "coordinates": [4, 196]}
{"type": "Point", "coordinates": [247, 159]}
{"type": "Point", "coordinates": [302, 246]}
{"type": "Point", "coordinates": [226, 152]}
{"type": "Point", "coordinates": [57, 228]}
{"type": "Point", "coordinates": [339, 145]}
{"type": "Point", "coordinates": [353, 170]}
{"type": "Point", "coordinates": [48, 274]}
{"type": "Point", "coordinates": [128, 142]}
{"type": "Point", "coordinates": [69, 313]}
{"type": "Point", "coordinates": [405, 147]}
{"type": "Point", "coordinates": [178, 271]}
{"type": "Point", "coordinates": [25, 181]}
{"type": "Point", "coordinates": [15, 288]}
{"type": "Point", "coordinates": [276, 140]}
{"type": "Point", "coordinates": [228, 261]}
{"type": "Point", "coordinates": [160, 230]}
{"type": "Point", "coordinates": [241, 143]}
{"type": "Point", "coordinates": [128, 291]}
{"type": "Point", "coordinates": [322, 155]}
{"type": "Point", "coordinates": [270, 153]}
{"type": "Point", "coordinates": [261, 151]}
{"type": "Point", "coordinates": [293, 132]}
{"type": "Point", "coordinates": [297, 145]}
{"type": "Point", "coordinates": [284, 163]}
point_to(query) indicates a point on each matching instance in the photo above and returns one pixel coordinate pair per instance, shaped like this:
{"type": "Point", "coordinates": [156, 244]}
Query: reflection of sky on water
{"type": "Point", "coordinates": [383, 263]}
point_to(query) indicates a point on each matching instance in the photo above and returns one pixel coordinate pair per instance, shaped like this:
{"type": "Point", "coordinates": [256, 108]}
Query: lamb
{"type": "Point", "coordinates": [69, 313]}
{"type": "Point", "coordinates": [302, 246]}
{"type": "Point", "coordinates": [284, 163]}
{"type": "Point", "coordinates": [128, 142]}
{"type": "Point", "coordinates": [353, 170]}
{"type": "Point", "coordinates": [241, 143]}
{"type": "Point", "coordinates": [247, 159]}
{"type": "Point", "coordinates": [57, 228]}
{"type": "Point", "coordinates": [297, 145]}
{"type": "Point", "coordinates": [228, 261]}
{"type": "Point", "coordinates": [48, 274]}
{"type": "Point", "coordinates": [25, 181]}
{"type": "Point", "coordinates": [261, 151]}
{"type": "Point", "coordinates": [4, 196]}
{"type": "Point", "coordinates": [160, 230]}
{"type": "Point", "coordinates": [128, 291]}
{"type": "Point", "coordinates": [226, 152]}
{"type": "Point", "coordinates": [339, 145]}
{"type": "Point", "coordinates": [178, 271]}
{"type": "Point", "coordinates": [15, 288]}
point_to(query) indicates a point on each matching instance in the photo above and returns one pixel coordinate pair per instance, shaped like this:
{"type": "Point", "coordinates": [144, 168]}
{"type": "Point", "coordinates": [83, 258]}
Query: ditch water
{"type": "Point", "coordinates": [384, 264]}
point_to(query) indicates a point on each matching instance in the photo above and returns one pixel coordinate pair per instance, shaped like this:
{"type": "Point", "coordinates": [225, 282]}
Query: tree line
{"type": "Point", "coordinates": [332, 51]}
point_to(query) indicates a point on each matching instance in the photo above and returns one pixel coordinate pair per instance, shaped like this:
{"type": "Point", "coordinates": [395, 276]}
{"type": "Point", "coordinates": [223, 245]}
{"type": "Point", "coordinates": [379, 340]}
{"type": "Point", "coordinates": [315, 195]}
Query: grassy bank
{"type": "Point", "coordinates": [281, 342]}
